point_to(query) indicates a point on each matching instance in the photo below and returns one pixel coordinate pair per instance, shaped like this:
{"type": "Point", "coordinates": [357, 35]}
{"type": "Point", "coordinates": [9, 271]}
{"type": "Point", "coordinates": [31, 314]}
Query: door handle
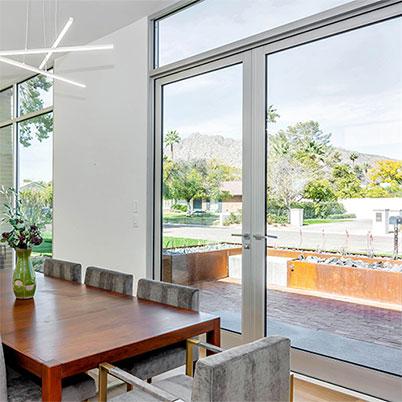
{"type": "Point", "coordinates": [245, 235]}
{"type": "Point", "coordinates": [263, 237]}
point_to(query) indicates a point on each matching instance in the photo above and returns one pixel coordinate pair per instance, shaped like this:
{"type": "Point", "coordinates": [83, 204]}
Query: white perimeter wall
{"type": "Point", "coordinates": [363, 207]}
{"type": "Point", "coordinates": [100, 154]}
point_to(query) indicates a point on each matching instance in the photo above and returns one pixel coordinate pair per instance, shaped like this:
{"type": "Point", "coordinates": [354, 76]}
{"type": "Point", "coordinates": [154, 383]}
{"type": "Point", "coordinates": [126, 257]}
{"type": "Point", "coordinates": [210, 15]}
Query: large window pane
{"type": "Point", "coordinates": [6, 104]}
{"type": "Point", "coordinates": [202, 189]}
{"type": "Point", "coordinates": [6, 180]}
{"type": "Point", "coordinates": [36, 174]}
{"type": "Point", "coordinates": [334, 180]}
{"type": "Point", "coordinates": [35, 94]}
{"type": "Point", "coordinates": [212, 23]}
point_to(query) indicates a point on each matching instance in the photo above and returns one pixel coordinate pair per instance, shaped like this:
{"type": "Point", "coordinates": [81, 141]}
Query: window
{"type": "Point", "coordinates": [208, 24]}
{"type": "Point", "coordinates": [26, 153]}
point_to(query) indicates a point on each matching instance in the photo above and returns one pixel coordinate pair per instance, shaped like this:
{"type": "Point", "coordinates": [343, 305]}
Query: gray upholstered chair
{"type": "Point", "coordinates": [17, 387]}
{"type": "Point", "coordinates": [109, 280]}
{"type": "Point", "coordinates": [168, 358]}
{"type": "Point", "coordinates": [69, 271]}
{"type": "Point", "coordinates": [255, 372]}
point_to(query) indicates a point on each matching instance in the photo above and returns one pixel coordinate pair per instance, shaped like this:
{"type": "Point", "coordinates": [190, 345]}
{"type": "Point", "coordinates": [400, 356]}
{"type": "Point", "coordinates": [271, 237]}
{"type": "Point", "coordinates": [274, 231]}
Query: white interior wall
{"type": "Point", "coordinates": [100, 154]}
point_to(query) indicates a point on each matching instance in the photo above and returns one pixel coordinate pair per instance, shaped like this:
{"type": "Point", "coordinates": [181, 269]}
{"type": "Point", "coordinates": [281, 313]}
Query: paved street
{"type": "Point", "coordinates": [342, 236]}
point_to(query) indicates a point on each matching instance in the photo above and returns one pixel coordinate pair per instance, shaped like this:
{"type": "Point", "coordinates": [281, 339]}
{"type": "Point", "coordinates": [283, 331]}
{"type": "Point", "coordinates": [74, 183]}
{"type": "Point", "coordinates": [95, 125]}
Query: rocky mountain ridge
{"type": "Point", "coordinates": [228, 150]}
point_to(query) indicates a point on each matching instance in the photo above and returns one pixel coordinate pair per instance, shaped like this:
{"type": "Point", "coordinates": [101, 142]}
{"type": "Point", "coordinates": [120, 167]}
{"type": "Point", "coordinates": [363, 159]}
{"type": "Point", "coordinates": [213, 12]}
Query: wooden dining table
{"type": "Point", "coordinates": [70, 328]}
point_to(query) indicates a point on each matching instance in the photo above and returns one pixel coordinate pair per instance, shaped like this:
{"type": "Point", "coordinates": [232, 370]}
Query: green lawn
{"type": "Point", "coordinates": [168, 242]}
{"type": "Point", "coordinates": [172, 242]}
{"type": "Point", "coordinates": [181, 218]}
{"type": "Point", "coordinates": [316, 221]}
{"type": "Point", "coordinates": [46, 247]}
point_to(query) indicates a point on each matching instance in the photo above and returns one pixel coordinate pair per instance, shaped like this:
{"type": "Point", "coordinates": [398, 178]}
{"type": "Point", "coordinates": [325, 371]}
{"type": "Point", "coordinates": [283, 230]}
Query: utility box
{"type": "Point", "coordinates": [296, 217]}
{"type": "Point", "coordinates": [381, 221]}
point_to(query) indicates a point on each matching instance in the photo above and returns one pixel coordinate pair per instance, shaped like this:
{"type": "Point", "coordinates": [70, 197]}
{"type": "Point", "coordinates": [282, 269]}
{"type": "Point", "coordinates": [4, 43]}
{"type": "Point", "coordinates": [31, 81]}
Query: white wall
{"type": "Point", "coordinates": [100, 154]}
{"type": "Point", "coordinates": [363, 207]}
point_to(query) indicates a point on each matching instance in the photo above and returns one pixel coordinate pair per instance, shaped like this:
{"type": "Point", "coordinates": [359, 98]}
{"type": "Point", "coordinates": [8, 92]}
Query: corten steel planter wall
{"type": "Point", "coordinates": [363, 283]}
{"type": "Point", "coordinates": [185, 269]}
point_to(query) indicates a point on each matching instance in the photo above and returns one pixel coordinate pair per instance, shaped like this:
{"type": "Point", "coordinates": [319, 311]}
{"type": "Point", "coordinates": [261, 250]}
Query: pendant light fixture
{"type": "Point", "coordinates": [4, 54]}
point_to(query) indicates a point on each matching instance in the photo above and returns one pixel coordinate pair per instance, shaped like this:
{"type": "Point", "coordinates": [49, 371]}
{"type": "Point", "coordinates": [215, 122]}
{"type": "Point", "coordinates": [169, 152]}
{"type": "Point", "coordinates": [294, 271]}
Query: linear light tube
{"type": "Point", "coordinates": [38, 71]}
{"type": "Point", "coordinates": [57, 41]}
{"type": "Point", "coordinates": [63, 49]}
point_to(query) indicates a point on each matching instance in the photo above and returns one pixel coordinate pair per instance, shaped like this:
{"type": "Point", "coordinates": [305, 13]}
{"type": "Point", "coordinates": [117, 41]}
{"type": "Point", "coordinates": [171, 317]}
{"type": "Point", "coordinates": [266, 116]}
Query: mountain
{"type": "Point", "coordinates": [228, 150]}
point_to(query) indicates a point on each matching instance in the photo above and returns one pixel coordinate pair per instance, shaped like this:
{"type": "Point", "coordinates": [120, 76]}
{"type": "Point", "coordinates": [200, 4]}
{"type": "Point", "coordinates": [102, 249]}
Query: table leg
{"type": "Point", "coordinates": [214, 336]}
{"type": "Point", "coordinates": [51, 384]}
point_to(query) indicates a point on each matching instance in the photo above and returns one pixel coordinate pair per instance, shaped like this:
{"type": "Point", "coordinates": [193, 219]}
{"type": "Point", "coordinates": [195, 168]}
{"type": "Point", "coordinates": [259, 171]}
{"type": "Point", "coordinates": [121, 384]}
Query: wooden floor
{"type": "Point", "coordinates": [304, 391]}
{"type": "Point", "coordinates": [308, 392]}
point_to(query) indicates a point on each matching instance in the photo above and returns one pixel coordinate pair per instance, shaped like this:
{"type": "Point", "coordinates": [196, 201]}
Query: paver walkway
{"type": "Point", "coordinates": [364, 323]}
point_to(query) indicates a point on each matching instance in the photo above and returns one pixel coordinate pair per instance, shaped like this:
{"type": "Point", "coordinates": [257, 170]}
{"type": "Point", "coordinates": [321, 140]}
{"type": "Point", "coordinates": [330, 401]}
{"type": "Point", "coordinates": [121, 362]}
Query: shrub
{"type": "Point", "coordinates": [342, 216]}
{"type": "Point", "coordinates": [232, 219]}
{"type": "Point", "coordinates": [280, 219]}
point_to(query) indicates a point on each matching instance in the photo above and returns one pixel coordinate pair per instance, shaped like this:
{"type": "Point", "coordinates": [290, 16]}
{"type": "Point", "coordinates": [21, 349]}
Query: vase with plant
{"type": "Point", "coordinates": [22, 235]}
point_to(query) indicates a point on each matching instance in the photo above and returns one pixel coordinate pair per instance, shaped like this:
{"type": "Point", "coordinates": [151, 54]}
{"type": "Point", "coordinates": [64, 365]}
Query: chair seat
{"type": "Point", "coordinates": [157, 362]}
{"type": "Point", "coordinates": [23, 388]}
{"type": "Point", "coordinates": [178, 385]}
{"type": "Point", "coordinates": [137, 395]}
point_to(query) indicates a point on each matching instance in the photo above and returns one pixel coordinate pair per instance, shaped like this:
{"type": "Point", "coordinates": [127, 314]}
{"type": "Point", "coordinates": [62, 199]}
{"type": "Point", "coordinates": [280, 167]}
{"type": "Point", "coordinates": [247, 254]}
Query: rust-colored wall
{"type": "Point", "coordinates": [376, 285]}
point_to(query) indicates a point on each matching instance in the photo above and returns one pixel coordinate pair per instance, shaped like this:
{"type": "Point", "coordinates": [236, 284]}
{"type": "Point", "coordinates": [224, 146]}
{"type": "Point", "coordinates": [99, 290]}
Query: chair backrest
{"type": "Point", "coordinates": [3, 381]}
{"type": "Point", "coordinates": [169, 293]}
{"type": "Point", "coordinates": [69, 271]}
{"type": "Point", "coordinates": [109, 280]}
{"type": "Point", "coordinates": [257, 371]}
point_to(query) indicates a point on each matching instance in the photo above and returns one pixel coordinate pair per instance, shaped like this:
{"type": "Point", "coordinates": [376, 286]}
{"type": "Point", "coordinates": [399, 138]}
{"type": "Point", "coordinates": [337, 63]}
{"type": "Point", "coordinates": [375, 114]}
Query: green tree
{"type": "Point", "coordinates": [272, 114]}
{"type": "Point", "coordinates": [304, 142]}
{"type": "Point", "coordinates": [386, 174]}
{"type": "Point", "coordinates": [319, 190]}
{"type": "Point", "coordinates": [31, 95]}
{"type": "Point", "coordinates": [171, 139]}
{"type": "Point", "coordinates": [346, 183]}
{"type": "Point", "coordinates": [353, 157]}
{"type": "Point", "coordinates": [186, 182]}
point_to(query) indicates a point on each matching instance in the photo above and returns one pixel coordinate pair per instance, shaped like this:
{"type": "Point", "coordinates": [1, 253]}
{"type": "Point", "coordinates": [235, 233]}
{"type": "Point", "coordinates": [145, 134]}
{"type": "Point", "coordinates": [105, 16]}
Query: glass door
{"type": "Point", "coordinates": [203, 147]}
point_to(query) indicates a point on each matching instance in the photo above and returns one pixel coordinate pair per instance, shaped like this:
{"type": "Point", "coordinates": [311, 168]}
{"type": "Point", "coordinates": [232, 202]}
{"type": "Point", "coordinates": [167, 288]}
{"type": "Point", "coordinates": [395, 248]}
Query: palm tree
{"type": "Point", "coordinates": [353, 156]}
{"type": "Point", "coordinates": [172, 137]}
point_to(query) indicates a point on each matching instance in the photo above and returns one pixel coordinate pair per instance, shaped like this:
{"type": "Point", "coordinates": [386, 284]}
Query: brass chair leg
{"type": "Point", "coordinates": [129, 387]}
{"type": "Point", "coordinates": [292, 387]}
{"type": "Point", "coordinates": [189, 358]}
{"type": "Point", "coordinates": [102, 396]}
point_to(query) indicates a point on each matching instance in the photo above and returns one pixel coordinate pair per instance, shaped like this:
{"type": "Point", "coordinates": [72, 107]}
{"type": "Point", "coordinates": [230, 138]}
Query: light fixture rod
{"type": "Point", "coordinates": [57, 41]}
{"type": "Point", "coordinates": [38, 71]}
{"type": "Point", "coordinates": [87, 48]}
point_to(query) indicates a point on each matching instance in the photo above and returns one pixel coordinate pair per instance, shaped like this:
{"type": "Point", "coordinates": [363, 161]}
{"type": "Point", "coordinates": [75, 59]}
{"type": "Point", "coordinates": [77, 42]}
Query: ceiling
{"type": "Point", "coordinates": [92, 20]}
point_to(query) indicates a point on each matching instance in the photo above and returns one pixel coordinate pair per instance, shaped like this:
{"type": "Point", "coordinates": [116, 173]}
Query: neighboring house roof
{"type": "Point", "coordinates": [33, 185]}
{"type": "Point", "coordinates": [233, 187]}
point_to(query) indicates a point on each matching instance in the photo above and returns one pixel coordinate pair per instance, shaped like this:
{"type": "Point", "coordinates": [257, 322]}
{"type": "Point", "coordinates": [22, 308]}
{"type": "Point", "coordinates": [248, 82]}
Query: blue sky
{"type": "Point", "coordinates": [351, 84]}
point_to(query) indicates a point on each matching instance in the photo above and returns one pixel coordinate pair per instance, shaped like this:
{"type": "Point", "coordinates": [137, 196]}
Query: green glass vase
{"type": "Point", "coordinates": [24, 280]}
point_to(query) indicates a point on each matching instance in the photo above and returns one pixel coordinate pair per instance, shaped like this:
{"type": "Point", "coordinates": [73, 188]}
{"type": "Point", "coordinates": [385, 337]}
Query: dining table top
{"type": "Point", "coordinates": [75, 327]}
